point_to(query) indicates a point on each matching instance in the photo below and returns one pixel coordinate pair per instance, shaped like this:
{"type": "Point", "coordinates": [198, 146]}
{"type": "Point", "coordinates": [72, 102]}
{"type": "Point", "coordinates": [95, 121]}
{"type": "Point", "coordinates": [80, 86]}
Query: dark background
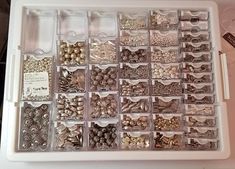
{"type": "Point", "coordinates": [4, 21]}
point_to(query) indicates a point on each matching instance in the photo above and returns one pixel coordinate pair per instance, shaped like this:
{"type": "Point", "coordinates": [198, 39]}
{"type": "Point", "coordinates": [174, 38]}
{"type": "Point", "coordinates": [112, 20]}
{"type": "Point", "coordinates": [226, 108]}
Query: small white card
{"type": "Point", "coordinates": [36, 84]}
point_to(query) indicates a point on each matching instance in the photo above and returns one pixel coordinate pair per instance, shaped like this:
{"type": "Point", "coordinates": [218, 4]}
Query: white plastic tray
{"type": "Point", "coordinates": [13, 85]}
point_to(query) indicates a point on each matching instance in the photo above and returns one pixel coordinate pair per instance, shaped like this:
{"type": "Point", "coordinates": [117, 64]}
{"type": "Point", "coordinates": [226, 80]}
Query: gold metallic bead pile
{"type": "Point", "coordinates": [138, 142]}
{"type": "Point", "coordinates": [167, 124]}
{"type": "Point", "coordinates": [72, 54]}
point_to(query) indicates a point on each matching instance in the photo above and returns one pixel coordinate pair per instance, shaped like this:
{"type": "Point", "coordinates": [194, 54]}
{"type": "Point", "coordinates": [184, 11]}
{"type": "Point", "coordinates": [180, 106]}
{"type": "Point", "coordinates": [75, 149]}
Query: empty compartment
{"type": "Point", "coordinates": [166, 88]}
{"type": "Point", "coordinates": [133, 20]}
{"type": "Point", "coordinates": [70, 106]}
{"type": "Point", "coordinates": [73, 23]}
{"type": "Point", "coordinates": [39, 31]}
{"type": "Point", "coordinates": [133, 38]}
{"type": "Point", "coordinates": [103, 78]}
{"type": "Point", "coordinates": [68, 136]}
{"type": "Point", "coordinates": [164, 19]}
{"type": "Point", "coordinates": [135, 122]}
{"type": "Point", "coordinates": [165, 71]}
{"type": "Point", "coordinates": [168, 140]}
{"type": "Point", "coordinates": [168, 105]}
{"type": "Point", "coordinates": [71, 79]}
{"type": "Point", "coordinates": [197, 57]}
{"type": "Point", "coordinates": [134, 54]}
{"type": "Point", "coordinates": [34, 126]}
{"type": "Point", "coordinates": [37, 77]}
{"type": "Point", "coordinates": [102, 23]}
{"type": "Point", "coordinates": [201, 132]}
{"type": "Point", "coordinates": [103, 105]}
{"type": "Point", "coordinates": [102, 135]}
{"type": "Point", "coordinates": [197, 77]}
{"type": "Point", "coordinates": [201, 144]}
{"type": "Point", "coordinates": [103, 51]}
{"type": "Point", "coordinates": [135, 140]}
{"type": "Point", "coordinates": [194, 26]}
{"type": "Point", "coordinates": [164, 39]}
{"type": "Point", "coordinates": [200, 121]}
{"type": "Point", "coordinates": [165, 55]}
{"type": "Point", "coordinates": [194, 15]}
{"type": "Point", "coordinates": [134, 71]}
{"type": "Point", "coordinates": [135, 105]}
{"type": "Point", "coordinates": [167, 122]}
{"type": "Point", "coordinates": [193, 109]}
{"type": "Point", "coordinates": [134, 87]}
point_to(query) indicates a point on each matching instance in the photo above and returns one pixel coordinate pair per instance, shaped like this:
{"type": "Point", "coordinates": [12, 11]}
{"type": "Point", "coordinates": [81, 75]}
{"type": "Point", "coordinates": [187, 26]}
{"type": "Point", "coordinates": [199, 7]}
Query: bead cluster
{"type": "Point", "coordinates": [103, 52]}
{"type": "Point", "coordinates": [72, 81]}
{"type": "Point", "coordinates": [35, 128]}
{"type": "Point", "coordinates": [169, 56]}
{"type": "Point", "coordinates": [140, 106]}
{"type": "Point", "coordinates": [132, 23]}
{"type": "Point", "coordinates": [141, 72]}
{"type": "Point", "coordinates": [71, 54]}
{"type": "Point", "coordinates": [68, 137]}
{"type": "Point", "coordinates": [139, 123]}
{"type": "Point", "coordinates": [137, 56]}
{"type": "Point", "coordinates": [135, 142]}
{"type": "Point", "coordinates": [103, 107]}
{"type": "Point", "coordinates": [134, 38]}
{"type": "Point", "coordinates": [172, 89]}
{"type": "Point", "coordinates": [164, 40]}
{"type": "Point", "coordinates": [169, 72]}
{"type": "Point", "coordinates": [160, 106]}
{"type": "Point", "coordinates": [102, 137]}
{"type": "Point", "coordinates": [168, 142]}
{"type": "Point", "coordinates": [103, 79]}
{"type": "Point", "coordinates": [140, 89]}
{"type": "Point", "coordinates": [70, 108]}
{"type": "Point", "coordinates": [167, 124]}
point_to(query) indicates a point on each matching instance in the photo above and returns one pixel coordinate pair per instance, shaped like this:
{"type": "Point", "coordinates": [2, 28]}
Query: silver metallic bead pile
{"type": "Point", "coordinates": [35, 126]}
{"type": "Point", "coordinates": [169, 56]}
{"type": "Point", "coordinates": [164, 40]}
{"type": "Point", "coordinates": [34, 65]}
{"type": "Point", "coordinates": [135, 142]}
{"type": "Point", "coordinates": [72, 54]}
{"type": "Point", "coordinates": [140, 106]}
{"type": "Point", "coordinates": [68, 137]}
{"type": "Point", "coordinates": [103, 107]}
{"type": "Point", "coordinates": [103, 52]}
{"type": "Point", "coordinates": [172, 89]}
{"type": "Point", "coordinates": [70, 108]}
{"type": "Point", "coordinates": [168, 72]}
{"type": "Point", "coordinates": [166, 21]}
{"type": "Point", "coordinates": [134, 38]}
{"type": "Point", "coordinates": [199, 144]}
{"type": "Point", "coordinates": [133, 22]}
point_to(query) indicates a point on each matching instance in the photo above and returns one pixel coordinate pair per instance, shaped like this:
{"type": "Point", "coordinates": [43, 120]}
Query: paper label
{"type": "Point", "coordinates": [36, 84]}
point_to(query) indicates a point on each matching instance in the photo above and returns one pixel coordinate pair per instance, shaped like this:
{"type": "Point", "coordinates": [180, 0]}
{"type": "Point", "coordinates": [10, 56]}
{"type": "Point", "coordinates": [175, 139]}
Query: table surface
{"type": "Point", "coordinates": [207, 164]}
